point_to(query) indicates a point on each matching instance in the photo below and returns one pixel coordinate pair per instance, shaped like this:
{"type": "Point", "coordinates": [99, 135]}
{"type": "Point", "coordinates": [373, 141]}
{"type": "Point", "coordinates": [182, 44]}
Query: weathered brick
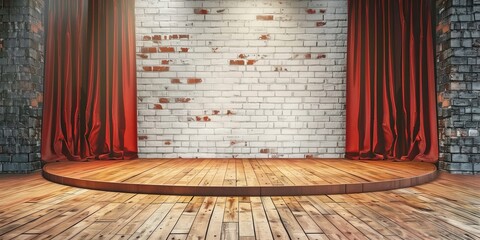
{"type": "Point", "coordinates": [167, 49]}
{"type": "Point", "coordinates": [164, 100]}
{"type": "Point", "coordinates": [175, 81]}
{"type": "Point", "coordinates": [237, 62]}
{"type": "Point", "coordinates": [160, 68]}
{"type": "Point", "coordinates": [149, 49]}
{"type": "Point", "coordinates": [265, 17]}
{"type": "Point", "coordinates": [242, 104]}
{"type": "Point", "coordinates": [194, 81]}
{"type": "Point", "coordinates": [200, 11]}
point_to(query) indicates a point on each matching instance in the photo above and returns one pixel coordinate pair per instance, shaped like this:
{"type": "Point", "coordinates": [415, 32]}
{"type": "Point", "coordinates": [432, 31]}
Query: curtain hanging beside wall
{"type": "Point", "coordinates": [90, 81]}
{"type": "Point", "coordinates": [390, 81]}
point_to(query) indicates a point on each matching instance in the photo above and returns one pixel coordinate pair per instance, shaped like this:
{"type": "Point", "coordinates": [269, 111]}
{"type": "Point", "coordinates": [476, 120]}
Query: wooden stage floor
{"type": "Point", "coordinates": [241, 177]}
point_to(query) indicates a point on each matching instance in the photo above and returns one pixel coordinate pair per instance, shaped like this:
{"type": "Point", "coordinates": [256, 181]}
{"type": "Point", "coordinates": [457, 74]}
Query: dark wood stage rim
{"type": "Point", "coordinates": [240, 177]}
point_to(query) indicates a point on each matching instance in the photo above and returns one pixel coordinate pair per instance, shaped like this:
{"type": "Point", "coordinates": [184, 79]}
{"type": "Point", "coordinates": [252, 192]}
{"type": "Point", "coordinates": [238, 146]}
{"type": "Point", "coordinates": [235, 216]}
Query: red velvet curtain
{"type": "Point", "coordinates": [391, 108]}
{"type": "Point", "coordinates": [90, 81]}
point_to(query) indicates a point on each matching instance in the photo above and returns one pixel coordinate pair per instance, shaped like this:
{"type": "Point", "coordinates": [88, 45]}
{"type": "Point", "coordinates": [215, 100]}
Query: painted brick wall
{"type": "Point", "coordinates": [229, 78]}
{"type": "Point", "coordinates": [21, 81]}
{"type": "Point", "coordinates": [458, 79]}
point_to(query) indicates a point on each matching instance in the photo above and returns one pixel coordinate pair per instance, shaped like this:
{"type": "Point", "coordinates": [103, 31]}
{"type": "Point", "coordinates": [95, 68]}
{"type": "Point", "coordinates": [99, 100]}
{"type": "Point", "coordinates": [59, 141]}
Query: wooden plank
{"type": "Point", "coordinates": [164, 229]}
{"type": "Point", "coordinates": [150, 224]}
{"type": "Point", "coordinates": [276, 226]}
{"type": "Point", "coordinates": [200, 224]}
{"type": "Point", "coordinates": [262, 228]}
{"type": "Point", "coordinates": [185, 221]}
{"type": "Point", "coordinates": [293, 228]}
{"type": "Point", "coordinates": [214, 230]}
{"type": "Point", "coordinates": [229, 231]}
{"type": "Point", "coordinates": [245, 221]}
{"type": "Point", "coordinates": [231, 210]}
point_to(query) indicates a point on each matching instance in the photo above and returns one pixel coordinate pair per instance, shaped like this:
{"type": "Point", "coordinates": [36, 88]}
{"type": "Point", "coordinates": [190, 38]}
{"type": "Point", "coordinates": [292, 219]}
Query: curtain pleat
{"type": "Point", "coordinates": [390, 81]}
{"type": "Point", "coordinates": [90, 82]}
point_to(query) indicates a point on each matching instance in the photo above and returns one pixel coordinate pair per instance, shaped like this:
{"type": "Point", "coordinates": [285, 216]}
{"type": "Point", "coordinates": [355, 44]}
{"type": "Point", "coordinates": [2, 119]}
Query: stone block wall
{"type": "Point", "coordinates": [458, 79]}
{"type": "Point", "coordinates": [256, 78]}
{"type": "Point", "coordinates": [21, 81]}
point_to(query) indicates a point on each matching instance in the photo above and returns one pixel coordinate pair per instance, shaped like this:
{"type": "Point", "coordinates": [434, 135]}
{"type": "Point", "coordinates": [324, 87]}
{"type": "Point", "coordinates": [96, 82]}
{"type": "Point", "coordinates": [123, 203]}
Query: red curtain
{"type": "Point", "coordinates": [90, 81]}
{"type": "Point", "coordinates": [391, 108]}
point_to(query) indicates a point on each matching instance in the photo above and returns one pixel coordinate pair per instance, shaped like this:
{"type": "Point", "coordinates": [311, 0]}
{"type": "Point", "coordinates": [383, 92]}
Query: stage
{"type": "Point", "coordinates": [240, 177]}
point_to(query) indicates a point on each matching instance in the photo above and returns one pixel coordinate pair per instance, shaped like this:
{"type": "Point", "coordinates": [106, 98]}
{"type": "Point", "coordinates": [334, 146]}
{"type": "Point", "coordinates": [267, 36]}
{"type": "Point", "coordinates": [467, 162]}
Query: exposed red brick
{"type": "Point", "coordinates": [311, 11]}
{"type": "Point", "coordinates": [168, 143]}
{"type": "Point", "coordinates": [157, 37]}
{"type": "Point", "coordinates": [160, 69]}
{"type": "Point", "coordinates": [229, 112]}
{"type": "Point", "coordinates": [251, 62]}
{"type": "Point", "coordinates": [175, 81]}
{"type": "Point", "coordinates": [443, 28]}
{"type": "Point", "coordinates": [216, 112]}
{"type": "Point", "coordinates": [321, 23]}
{"type": "Point", "coordinates": [200, 11]}
{"type": "Point", "coordinates": [166, 62]}
{"type": "Point", "coordinates": [264, 37]}
{"type": "Point", "coordinates": [184, 49]}
{"type": "Point", "coordinates": [204, 119]}
{"type": "Point", "coordinates": [309, 156]}
{"type": "Point", "coordinates": [264, 150]}
{"type": "Point", "coordinates": [167, 49]}
{"type": "Point", "coordinates": [174, 36]}
{"type": "Point", "coordinates": [308, 56]}
{"type": "Point", "coordinates": [40, 97]}
{"type": "Point", "coordinates": [182, 100]}
{"type": "Point", "coordinates": [321, 56]}
{"type": "Point", "coordinates": [158, 106]}
{"type": "Point", "coordinates": [183, 36]}
{"type": "Point", "coordinates": [445, 103]}
{"type": "Point", "coordinates": [142, 55]}
{"type": "Point", "coordinates": [242, 56]}
{"type": "Point", "coordinates": [142, 137]}
{"type": "Point", "coordinates": [323, 10]}
{"type": "Point", "coordinates": [147, 38]}
{"type": "Point", "coordinates": [34, 103]}
{"type": "Point", "coordinates": [237, 62]}
{"type": "Point", "coordinates": [265, 17]}
{"type": "Point", "coordinates": [36, 27]}
{"type": "Point", "coordinates": [149, 49]}
{"type": "Point", "coordinates": [194, 80]}
{"type": "Point", "coordinates": [164, 100]}
{"type": "Point", "coordinates": [147, 69]}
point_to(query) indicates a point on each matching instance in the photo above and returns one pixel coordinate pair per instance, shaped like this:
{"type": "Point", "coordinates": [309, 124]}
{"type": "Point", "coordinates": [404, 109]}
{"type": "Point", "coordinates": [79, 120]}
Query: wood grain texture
{"type": "Point", "coordinates": [241, 177]}
{"type": "Point", "coordinates": [34, 208]}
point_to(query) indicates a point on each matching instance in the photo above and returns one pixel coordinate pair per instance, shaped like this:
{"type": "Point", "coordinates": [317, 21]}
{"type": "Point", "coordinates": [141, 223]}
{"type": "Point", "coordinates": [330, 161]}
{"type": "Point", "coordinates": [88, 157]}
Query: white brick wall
{"type": "Point", "coordinates": [249, 78]}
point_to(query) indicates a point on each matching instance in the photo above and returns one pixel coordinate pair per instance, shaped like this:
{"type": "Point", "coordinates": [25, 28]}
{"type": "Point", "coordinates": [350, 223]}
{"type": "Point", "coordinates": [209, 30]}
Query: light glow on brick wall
{"type": "Point", "coordinates": [256, 78]}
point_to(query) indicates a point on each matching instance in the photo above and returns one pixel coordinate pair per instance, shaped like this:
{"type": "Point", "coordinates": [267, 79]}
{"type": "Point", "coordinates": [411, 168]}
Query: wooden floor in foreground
{"type": "Point", "coordinates": [34, 208]}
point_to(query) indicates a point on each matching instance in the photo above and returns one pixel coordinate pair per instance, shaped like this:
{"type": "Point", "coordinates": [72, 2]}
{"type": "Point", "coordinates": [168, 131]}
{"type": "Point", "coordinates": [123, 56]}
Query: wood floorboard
{"type": "Point", "coordinates": [34, 208]}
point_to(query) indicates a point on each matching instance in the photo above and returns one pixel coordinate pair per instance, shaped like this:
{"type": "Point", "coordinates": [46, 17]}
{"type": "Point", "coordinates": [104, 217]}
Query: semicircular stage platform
{"type": "Point", "coordinates": [240, 177]}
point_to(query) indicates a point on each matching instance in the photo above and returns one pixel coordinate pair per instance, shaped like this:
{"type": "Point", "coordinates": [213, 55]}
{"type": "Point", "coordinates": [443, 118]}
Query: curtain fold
{"type": "Point", "coordinates": [391, 104]}
{"type": "Point", "coordinates": [90, 81]}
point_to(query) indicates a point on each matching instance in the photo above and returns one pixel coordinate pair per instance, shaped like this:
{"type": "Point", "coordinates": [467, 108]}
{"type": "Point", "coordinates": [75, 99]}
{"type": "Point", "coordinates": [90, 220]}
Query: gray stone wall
{"type": "Point", "coordinates": [458, 73]}
{"type": "Point", "coordinates": [21, 81]}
